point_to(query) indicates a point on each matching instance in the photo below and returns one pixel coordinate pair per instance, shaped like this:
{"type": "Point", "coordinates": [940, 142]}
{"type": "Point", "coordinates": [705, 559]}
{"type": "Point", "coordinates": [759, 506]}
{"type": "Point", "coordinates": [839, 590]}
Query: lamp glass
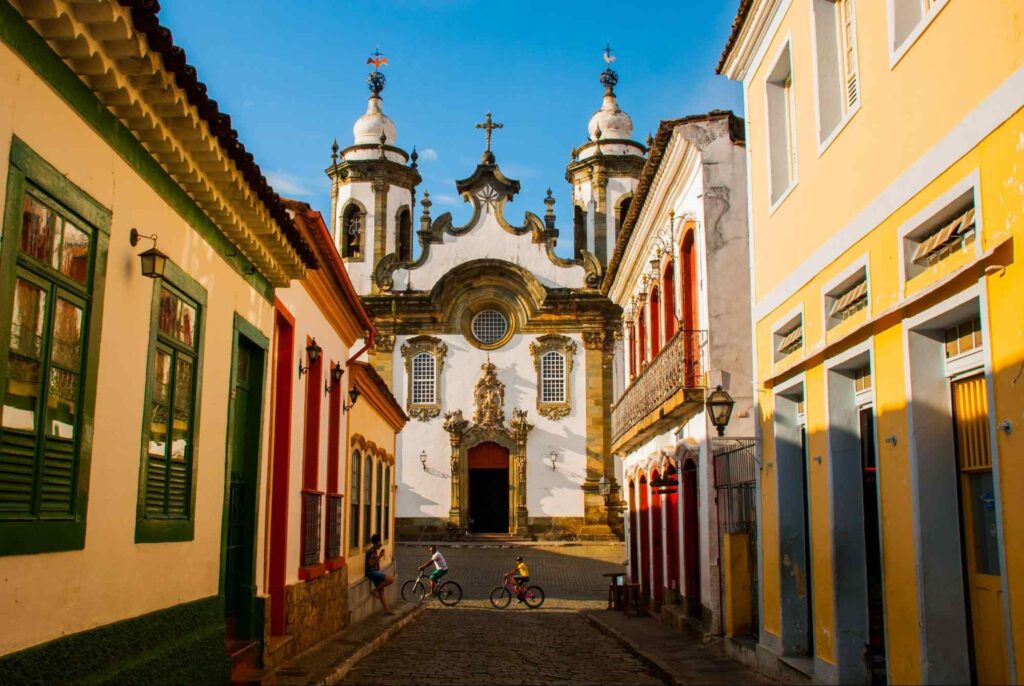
{"type": "Point", "coordinates": [313, 352]}
{"type": "Point", "coordinates": [153, 263]}
{"type": "Point", "coordinates": [353, 395]}
{"type": "Point", "coordinates": [720, 405]}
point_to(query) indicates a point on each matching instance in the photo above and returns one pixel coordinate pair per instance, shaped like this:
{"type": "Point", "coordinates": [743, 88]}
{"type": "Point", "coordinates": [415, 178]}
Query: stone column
{"type": "Point", "coordinates": [599, 346]}
{"type": "Point", "coordinates": [601, 217]}
{"type": "Point", "coordinates": [455, 509]}
{"type": "Point", "coordinates": [519, 429]}
{"type": "Point", "coordinates": [380, 219]}
{"type": "Point", "coordinates": [382, 358]}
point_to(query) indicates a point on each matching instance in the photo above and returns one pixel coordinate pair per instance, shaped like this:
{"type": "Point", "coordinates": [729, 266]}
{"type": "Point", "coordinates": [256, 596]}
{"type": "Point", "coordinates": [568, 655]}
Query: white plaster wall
{"type": "Point", "coordinates": [487, 239]}
{"type": "Point", "coordinates": [550, 492]}
{"type": "Point", "coordinates": [311, 322]}
{"type": "Point", "coordinates": [360, 272]}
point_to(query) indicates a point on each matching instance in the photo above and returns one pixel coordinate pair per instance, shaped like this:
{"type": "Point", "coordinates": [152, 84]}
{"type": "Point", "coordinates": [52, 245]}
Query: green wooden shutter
{"type": "Point", "coordinates": [17, 472]}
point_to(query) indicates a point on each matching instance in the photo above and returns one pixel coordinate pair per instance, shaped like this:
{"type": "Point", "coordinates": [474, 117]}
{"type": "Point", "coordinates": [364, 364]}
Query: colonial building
{"type": "Point", "coordinates": [885, 212]}
{"type": "Point", "coordinates": [499, 349]}
{"type": "Point", "coordinates": [679, 272]}
{"type": "Point", "coordinates": [117, 460]}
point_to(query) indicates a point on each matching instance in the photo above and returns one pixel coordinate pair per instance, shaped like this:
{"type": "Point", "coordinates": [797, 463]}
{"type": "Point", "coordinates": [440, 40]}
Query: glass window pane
{"type": "Point", "coordinates": [180, 431]}
{"type": "Point", "coordinates": [74, 254]}
{"type": "Point", "coordinates": [160, 402]}
{"type": "Point", "coordinates": [62, 403]}
{"type": "Point", "coordinates": [38, 228]}
{"type": "Point", "coordinates": [177, 318]}
{"type": "Point", "coordinates": [24, 363]}
{"type": "Point", "coordinates": [983, 506]}
{"type": "Point", "coordinates": [67, 334]}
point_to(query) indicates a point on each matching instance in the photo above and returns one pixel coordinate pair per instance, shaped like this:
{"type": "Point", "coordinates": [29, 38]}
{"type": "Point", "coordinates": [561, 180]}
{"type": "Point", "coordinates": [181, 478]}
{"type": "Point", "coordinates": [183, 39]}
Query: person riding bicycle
{"type": "Point", "coordinates": [440, 567]}
{"type": "Point", "coordinates": [521, 575]}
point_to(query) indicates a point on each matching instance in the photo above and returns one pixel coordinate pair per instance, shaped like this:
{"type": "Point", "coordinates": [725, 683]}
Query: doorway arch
{"type": "Point", "coordinates": [691, 542]}
{"type": "Point", "coordinates": [489, 486]}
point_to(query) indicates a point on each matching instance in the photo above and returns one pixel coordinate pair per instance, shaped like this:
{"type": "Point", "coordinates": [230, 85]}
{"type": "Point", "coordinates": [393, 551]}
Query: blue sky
{"type": "Point", "coordinates": [292, 74]}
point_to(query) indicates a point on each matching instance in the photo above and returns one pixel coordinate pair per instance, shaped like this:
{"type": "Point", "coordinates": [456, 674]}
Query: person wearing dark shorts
{"type": "Point", "coordinates": [379, 579]}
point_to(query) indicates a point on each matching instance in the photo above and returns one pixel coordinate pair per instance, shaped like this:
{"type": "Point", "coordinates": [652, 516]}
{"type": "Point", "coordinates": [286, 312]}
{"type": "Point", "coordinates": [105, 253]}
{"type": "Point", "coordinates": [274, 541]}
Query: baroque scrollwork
{"type": "Point", "coordinates": [489, 398]}
{"type": "Point", "coordinates": [435, 347]}
{"type": "Point", "coordinates": [566, 347]}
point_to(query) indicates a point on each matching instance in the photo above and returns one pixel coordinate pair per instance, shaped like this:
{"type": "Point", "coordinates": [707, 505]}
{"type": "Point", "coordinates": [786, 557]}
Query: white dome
{"type": "Point", "coordinates": [612, 121]}
{"type": "Point", "coordinates": [368, 127]}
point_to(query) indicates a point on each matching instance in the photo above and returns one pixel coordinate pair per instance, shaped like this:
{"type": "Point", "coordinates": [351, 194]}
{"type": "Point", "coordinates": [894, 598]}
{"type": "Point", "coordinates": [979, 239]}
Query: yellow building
{"type": "Point", "coordinates": [886, 185]}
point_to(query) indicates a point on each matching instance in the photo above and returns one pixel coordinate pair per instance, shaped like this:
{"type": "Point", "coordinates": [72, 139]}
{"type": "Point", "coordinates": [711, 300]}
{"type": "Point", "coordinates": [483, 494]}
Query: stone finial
{"type": "Point", "coordinates": [425, 217]}
{"type": "Point", "coordinates": [650, 140]}
{"type": "Point", "coordinates": [549, 213]}
{"type": "Point", "coordinates": [414, 157]}
{"type": "Point", "coordinates": [383, 140]}
{"type": "Point", "coordinates": [334, 153]}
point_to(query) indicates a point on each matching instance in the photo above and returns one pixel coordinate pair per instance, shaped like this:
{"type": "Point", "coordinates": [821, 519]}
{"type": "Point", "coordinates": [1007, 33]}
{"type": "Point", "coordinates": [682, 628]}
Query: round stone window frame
{"type": "Point", "coordinates": [471, 314]}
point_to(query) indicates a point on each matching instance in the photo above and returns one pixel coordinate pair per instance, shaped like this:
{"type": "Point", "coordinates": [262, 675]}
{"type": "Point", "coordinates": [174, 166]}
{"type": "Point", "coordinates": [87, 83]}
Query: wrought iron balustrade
{"type": "Point", "coordinates": [334, 523]}
{"type": "Point", "coordinates": [312, 509]}
{"type": "Point", "coordinates": [678, 366]}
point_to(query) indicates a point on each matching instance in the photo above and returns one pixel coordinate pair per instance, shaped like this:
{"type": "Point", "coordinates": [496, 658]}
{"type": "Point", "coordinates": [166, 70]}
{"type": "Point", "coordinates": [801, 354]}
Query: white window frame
{"type": "Point", "coordinates": [928, 14]}
{"type": "Point", "coordinates": [546, 375]}
{"type": "Point", "coordinates": [837, 284]}
{"type": "Point", "coordinates": [825, 138]}
{"type": "Point", "coordinates": [785, 323]}
{"type": "Point", "coordinates": [420, 379]}
{"type": "Point", "coordinates": [770, 81]}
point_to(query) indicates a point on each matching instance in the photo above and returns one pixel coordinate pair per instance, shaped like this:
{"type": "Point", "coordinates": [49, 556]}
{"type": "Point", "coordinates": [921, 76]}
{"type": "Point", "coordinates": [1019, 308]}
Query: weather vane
{"type": "Point", "coordinates": [608, 77]}
{"type": "Point", "coordinates": [376, 78]}
{"type": "Point", "coordinates": [489, 126]}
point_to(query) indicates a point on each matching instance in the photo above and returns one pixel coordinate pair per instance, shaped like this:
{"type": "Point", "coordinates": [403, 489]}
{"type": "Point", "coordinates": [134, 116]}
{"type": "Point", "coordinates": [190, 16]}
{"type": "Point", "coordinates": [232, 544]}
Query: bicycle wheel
{"type": "Point", "coordinates": [413, 590]}
{"type": "Point", "coordinates": [449, 593]}
{"type": "Point", "coordinates": [501, 597]}
{"type": "Point", "coordinates": [533, 596]}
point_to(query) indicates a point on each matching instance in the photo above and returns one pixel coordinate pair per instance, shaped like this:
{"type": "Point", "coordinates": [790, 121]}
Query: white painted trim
{"type": "Point", "coordinates": [861, 263]}
{"type": "Point", "coordinates": [990, 113]}
{"type": "Point", "coordinates": [846, 356]}
{"type": "Point", "coordinates": [762, 47]}
{"type": "Point", "coordinates": [788, 385]}
{"type": "Point", "coordinates": [896, 52]}
{"type": "Point", "coordinates": [791, 125]}
{"type": "Point", "coordinates": [972, 180]}
{"type": "Point", "coordinates": [823, 144]}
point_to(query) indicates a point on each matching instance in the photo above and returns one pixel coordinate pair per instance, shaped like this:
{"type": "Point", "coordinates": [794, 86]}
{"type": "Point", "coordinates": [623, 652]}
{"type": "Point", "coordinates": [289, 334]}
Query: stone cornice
{"type": "Point", "coordinates": [131, 65]}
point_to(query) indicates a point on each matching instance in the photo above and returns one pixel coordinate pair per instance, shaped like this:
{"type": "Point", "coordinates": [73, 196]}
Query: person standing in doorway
{"type": "Point", "coordinates": [379, 579]}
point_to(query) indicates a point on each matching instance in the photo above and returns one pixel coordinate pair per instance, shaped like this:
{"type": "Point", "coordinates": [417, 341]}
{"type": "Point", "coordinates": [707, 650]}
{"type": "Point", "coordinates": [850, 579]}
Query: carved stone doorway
{"type": "Point", "coordinates": [489, 486]}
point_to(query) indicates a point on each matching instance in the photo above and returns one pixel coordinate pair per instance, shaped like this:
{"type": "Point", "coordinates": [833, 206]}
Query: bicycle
{"type": "Point", "coordinates": [448, 592]}
{"type": "Point", "coordinates": [501, 596]}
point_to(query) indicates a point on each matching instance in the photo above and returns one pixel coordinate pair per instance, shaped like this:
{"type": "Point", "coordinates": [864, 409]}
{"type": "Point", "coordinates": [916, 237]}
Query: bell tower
{"type": "Point", "coordinates": [604, 173]}
{"type": "Point", "coordinates": [373, 184]}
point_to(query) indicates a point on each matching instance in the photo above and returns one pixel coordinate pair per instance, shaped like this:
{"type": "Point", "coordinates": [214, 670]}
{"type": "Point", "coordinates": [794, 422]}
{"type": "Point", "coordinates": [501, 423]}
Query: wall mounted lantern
{"type": "Point", "coordinates": [610, 495]}
{"type": "Point", "coordinates": [719, 404]}
{"type": "Point", "coordinates": [336, 372]}
{"type": "Point", "coordinates": [312, 356]}
{"type": "Point", "coordinates": [423, 459]}
{"type": "Point", "coordinates": [353, 396]}
{"type": "Point", "coordinates": [153, 261]}
{"type": "Point", "coordinates": [553, 459]}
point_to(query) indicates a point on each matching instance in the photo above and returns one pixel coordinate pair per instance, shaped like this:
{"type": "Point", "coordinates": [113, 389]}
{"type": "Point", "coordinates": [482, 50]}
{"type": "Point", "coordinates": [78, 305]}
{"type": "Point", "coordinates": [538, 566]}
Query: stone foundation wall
{"type": "Point", "coordinates": [316, 610]}
{"type": "Point", "coordinates": [361, 604]}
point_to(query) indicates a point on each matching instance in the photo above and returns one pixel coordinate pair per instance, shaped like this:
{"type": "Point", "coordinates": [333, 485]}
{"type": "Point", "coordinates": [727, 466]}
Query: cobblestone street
{"type": "Point", "coordinates": [474, 643]}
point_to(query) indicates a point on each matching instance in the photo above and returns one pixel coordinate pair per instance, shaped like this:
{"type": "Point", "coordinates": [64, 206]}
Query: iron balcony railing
{"type": "Point", "coordinates": [334, 523]}
{"type": "Point", "coordinates": [312, 504]}
{"type": "Point", "coordinates": [678, 366]}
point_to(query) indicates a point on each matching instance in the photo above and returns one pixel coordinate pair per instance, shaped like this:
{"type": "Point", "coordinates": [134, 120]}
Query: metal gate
{"type": "Point", "coordinates": [736, 490]}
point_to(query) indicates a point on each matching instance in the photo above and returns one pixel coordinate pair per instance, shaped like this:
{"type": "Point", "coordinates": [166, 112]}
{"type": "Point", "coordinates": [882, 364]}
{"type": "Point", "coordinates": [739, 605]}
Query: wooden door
{"type": "Point", "coordinates": [980, 539]}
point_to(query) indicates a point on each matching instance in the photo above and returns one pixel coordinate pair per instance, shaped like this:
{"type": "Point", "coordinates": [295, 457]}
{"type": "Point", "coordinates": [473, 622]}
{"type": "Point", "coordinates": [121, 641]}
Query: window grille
{"type": "Point", "coordinates": [552, 373]}
{"type": "Point", "coordinates": [424, 379]}
{"type": "Point", "coordinates": [335, 513]}
{"type": "Point", "coordinates": [489, 326]}
{"type": "Point", "coordinates": [312, 503]}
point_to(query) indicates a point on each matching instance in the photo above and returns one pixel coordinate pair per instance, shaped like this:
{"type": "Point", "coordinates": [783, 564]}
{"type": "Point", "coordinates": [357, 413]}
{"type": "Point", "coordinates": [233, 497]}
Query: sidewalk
{"type": "Point", "coordinates": [677, 658]}
{"type": "Point", "coordinates": [328, 662]}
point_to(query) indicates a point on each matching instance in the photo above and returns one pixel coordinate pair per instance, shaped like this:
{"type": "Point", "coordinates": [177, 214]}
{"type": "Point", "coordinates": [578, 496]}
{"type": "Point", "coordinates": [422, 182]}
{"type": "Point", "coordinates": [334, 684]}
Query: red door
{"type": "Point", "coordinates": [284, 333]}
{"type": "Point", "coordinates": [634, 558]}
{"type": "Point", "coordinates": [658, 538]}
{"type": "Point", "coordinates": [645, 542]}
{"type": "Point", "coordinates": [672, 531]}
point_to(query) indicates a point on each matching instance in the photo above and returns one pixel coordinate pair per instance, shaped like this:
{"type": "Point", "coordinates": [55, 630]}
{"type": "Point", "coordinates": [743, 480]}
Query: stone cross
{"type": "Point", "coordinates": [489, 126]}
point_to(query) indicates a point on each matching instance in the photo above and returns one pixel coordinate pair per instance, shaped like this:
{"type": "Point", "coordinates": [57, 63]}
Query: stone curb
{"type": "Point", "coordinates": [663, 671]}
{"type": "Point", "coordinates": [340, 670]}
{"type": "Point", "coordinates": [507, 544]}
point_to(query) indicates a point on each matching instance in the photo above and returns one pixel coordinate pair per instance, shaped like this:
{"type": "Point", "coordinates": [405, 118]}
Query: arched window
{"type": "Point", "coordinates": [621, 210]}
{"type": "Point", "coordinates": [424, 391]}
{"type": "Point", "coordinates": [353, 499]}
{"type": "Point", "coordinates": [403, 224]}
{"type": "Point", "coordinates": [387, 502]}
{"type": "Point", "coordinates": [579, 230]}
{"type": "Point", "coordinates": [688, 272]}
{"type": "Point", "coordinates": [668, 289]}
{"type": "Point", "coordinates": [632, 350]}
{"type": "Point", "coordinates": [380, 498]}
{"type": "Point", "coordinates": [367, 497]}
{"type": "Point", "coordinates": [353, 227]}
{"type": "Point", "coordinates": [641, 328]}
{"type": "Point", "coordinates": [655, 323]}
{"type": "Point", "coordinates": [552, 377]}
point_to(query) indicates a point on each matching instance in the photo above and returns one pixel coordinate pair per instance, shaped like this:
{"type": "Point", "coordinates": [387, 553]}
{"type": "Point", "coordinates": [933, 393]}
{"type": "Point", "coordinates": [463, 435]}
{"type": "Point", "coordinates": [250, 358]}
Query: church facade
{"type": "Point", "coordinates": [500, 350]}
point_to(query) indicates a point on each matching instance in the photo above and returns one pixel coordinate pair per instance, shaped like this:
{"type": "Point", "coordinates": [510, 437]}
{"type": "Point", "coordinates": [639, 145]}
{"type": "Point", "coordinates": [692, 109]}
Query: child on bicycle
{"type": "Point", "coordinates": [440, 567]}
{"type": "Point", "coordinates": [521, 575]}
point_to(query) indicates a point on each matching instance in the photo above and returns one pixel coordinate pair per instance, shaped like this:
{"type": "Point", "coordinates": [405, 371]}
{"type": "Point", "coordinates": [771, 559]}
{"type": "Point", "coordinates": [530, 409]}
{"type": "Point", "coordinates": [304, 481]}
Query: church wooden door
{"type": "Point", "coordinates": [489, 487]}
